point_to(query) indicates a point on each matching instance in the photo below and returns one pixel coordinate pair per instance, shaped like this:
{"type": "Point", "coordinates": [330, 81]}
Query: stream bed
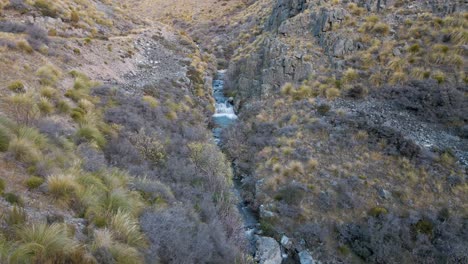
{"type": "Point", "coordinates": [225, 116]}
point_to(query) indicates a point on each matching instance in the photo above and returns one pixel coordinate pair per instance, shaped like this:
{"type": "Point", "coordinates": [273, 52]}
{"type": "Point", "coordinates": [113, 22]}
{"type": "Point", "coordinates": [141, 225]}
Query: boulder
{"type": "Point", "coordinates": [268, 251]}
{"type": "Point", "coordinates": [305, 257]}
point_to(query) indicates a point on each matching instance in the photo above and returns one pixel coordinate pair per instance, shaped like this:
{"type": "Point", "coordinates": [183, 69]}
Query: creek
{"type": "Point", "coordinates": [223, 117]}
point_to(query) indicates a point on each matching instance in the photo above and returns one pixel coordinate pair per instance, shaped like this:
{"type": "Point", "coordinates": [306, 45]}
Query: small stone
{"type": "Point", "coordinates": [286, 242]}
{"type": "Point", "coordinates": [384, 194]}
{"type": "Point", "coordinates": [396, 52]}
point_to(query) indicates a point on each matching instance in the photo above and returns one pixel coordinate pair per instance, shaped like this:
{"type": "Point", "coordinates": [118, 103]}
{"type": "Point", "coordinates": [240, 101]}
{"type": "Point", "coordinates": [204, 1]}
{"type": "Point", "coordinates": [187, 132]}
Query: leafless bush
{"type": "Point", "coordinates": [178, 236]}
{"type": "Point", "coordinates": [12, 27]}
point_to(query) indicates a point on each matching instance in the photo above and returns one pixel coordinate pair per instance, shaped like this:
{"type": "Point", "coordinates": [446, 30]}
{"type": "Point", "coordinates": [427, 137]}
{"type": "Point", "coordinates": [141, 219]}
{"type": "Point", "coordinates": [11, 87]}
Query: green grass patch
{"type": "Point", "coordinates": [34, 182]}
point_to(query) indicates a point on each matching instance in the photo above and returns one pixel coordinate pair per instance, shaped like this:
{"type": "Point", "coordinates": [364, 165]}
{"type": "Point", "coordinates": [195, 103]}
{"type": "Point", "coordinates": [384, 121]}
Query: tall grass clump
{"type": "Point", "coordinates": [45, 106]}
{"type": "Point", "coordinates": [24, 151]}
{"type": "Point", "coordinates": [5, 138]}
{"type": "Point", "coordinates": [48, 75]}
{"type": "Point", "coordinates": [2, 186]}
{"type": "Point", "coordinates": [62, 186]}
{"type": "Point", "coordinates": [16, 216]}
{"type": "Point", "coordinates": [127, 229]}
{"type": "Point", "coordinates": [92, 134]}
{"type": "Point", "coordinates": [47, 8]}
{"type": "Point", "coordinates": [104, 241]}
{"type": "Point", "coordinates": [41, 243]}
{"type": "Point", "coordinates": [17, 87]}
{"type": "Point", "coordinates": [34, 182]}
{"type": "Point", "coordinates": [151, 101]}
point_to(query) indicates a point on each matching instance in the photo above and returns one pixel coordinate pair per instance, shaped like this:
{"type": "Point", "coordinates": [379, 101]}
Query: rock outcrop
{"type": "Point", "coordinates": [268, 251]}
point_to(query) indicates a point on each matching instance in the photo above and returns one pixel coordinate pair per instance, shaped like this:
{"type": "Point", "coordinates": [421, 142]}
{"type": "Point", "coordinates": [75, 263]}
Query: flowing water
{"type": "Point", "coordinates": [225, 116]}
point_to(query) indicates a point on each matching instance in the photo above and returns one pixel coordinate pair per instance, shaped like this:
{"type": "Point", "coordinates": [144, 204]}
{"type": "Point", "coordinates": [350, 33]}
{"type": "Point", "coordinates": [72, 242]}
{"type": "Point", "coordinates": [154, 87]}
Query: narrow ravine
{"type": "Point", "coordinates": [225, 116]}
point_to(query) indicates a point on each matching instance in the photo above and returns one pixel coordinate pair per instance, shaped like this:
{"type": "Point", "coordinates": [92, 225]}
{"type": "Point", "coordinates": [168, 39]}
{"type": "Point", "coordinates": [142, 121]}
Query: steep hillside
{"type": "Point", "coordinates": [105, 151]}
{"type": "Point", "coordinates": [352, 143]}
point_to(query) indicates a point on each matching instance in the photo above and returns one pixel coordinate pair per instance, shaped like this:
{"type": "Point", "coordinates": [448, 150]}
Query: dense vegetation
{"type": "Point", "coordinates": [331, 95]}
{"type": "Point", "coordinates": [351, 143]}
{"type": "Point", "coordinates": [120, 173]}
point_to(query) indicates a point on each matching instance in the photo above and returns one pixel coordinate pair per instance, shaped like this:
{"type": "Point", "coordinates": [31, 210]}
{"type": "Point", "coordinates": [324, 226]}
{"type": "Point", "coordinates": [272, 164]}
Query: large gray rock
{"type": "Point", "coordinates": [268, 251]}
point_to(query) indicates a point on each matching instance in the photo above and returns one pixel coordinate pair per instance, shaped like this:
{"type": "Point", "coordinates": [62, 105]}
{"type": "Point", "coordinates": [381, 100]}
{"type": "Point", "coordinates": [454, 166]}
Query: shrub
{"type": "Point", "coordinates": [5, 138]}
{"type": "Point", "coordinates": [32, 135]}
{"type": "Point", "coordinates": [41, 243]}
{"type": "Point", "coordinates": [37, 37]}
{"type": "Point", "coordinates": [332, 93]}
{"type": "Point", "coordinates": [398, 77]}
{"type": "Point", "coordinates": [74, 94]}
{"type": "Point", "coordinates": [13, 198]}
{"type": "Point", "coordinates": [34, 182]}
{"type": "Point", "coordinates": [350, 75]}
{"type": "Point", "coordinates": [16, 86]}
{"type": "Point", "coordinates": [292, 195]}
{"type": "Point", "coordinates": [24, 46]}
{"type": "Point", "coordinates": [378, 211]}
{"type": "Point", "coordinates": [63, 107]}
{"type": "Point", "coordinates": [107, 250]}
{"type": "Point", "coordinates": [312, 164]}
{"type": "Point", "coordinates": [381, 28]}
{"type": "Point", "coordinates": [296, 167]}
{"type": "Point", "coordinates": [154, 191]}
{"type": "Point", "coordinates": [323, 109]}
{"type": "Point", "coordinates": [439, 76]}
{"type": "Point", "coordinates": [82, 82]}
{"type": "Point", "coordinates": [77, 114]}
{"type": "Point", "coordinates": [424, 227]}
{"type": "Point", "coordinates": [90, 133]}
{"type": "Point", "coordinates": [52, 32]}
{"type": "Point", "coordinates": [19, 5]}
{"type": "Point", "coordinates": [12, 27]}
{"type": "Point", "coordinates": [415, 48]}
{"type": "Point", "coordinates": [303, 92]}
{"type": "Point", "coordinates": [86, 105]}
{"type": "Point", "coordinates": [149, 146]}
{"type": "Point", "coordinates": [48, 92]}
{"type": "Point", "coordinates": [46, 8]}
{"type": "Point", "coordinates": [74, 16]}
{"type": "Point", "coordinates": [48, 75]}
{"type": "Point", "coordinates": [127, 229]}
{"type": "Point", "coordinates": [24, 151]}
{"type": "Point", "coordinates": [372, 19]}
{"type": "Point", "coordinates": [121, 200]}
{"type": "Point", "coordinates": [16, 216]}
{"type": "Point", "coordinates": [45, 106]}
{"type": "Point", "coordinates": [22, 108]}
{"type": "Point", "coordinates": [153, 102]}
{"type": "Point", "coordinates": [62, 186]}
{"type": "Point", "coordinates": [200, 242]}
{"type": "Point", "coordinates": [287, 89]}
{"type": "Point", "coordinates": [2, 185]}
{"type": "Point", "coordinates": [171, 115]}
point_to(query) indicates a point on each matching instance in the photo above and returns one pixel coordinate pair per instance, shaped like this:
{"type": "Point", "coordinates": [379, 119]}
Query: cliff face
{"type": "Point", "coordinates": [301, 36]}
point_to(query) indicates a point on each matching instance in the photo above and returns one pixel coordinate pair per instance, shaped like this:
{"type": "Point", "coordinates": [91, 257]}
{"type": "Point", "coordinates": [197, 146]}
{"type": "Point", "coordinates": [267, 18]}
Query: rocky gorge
{"type": "Point", "coordinates": [243, 131]}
